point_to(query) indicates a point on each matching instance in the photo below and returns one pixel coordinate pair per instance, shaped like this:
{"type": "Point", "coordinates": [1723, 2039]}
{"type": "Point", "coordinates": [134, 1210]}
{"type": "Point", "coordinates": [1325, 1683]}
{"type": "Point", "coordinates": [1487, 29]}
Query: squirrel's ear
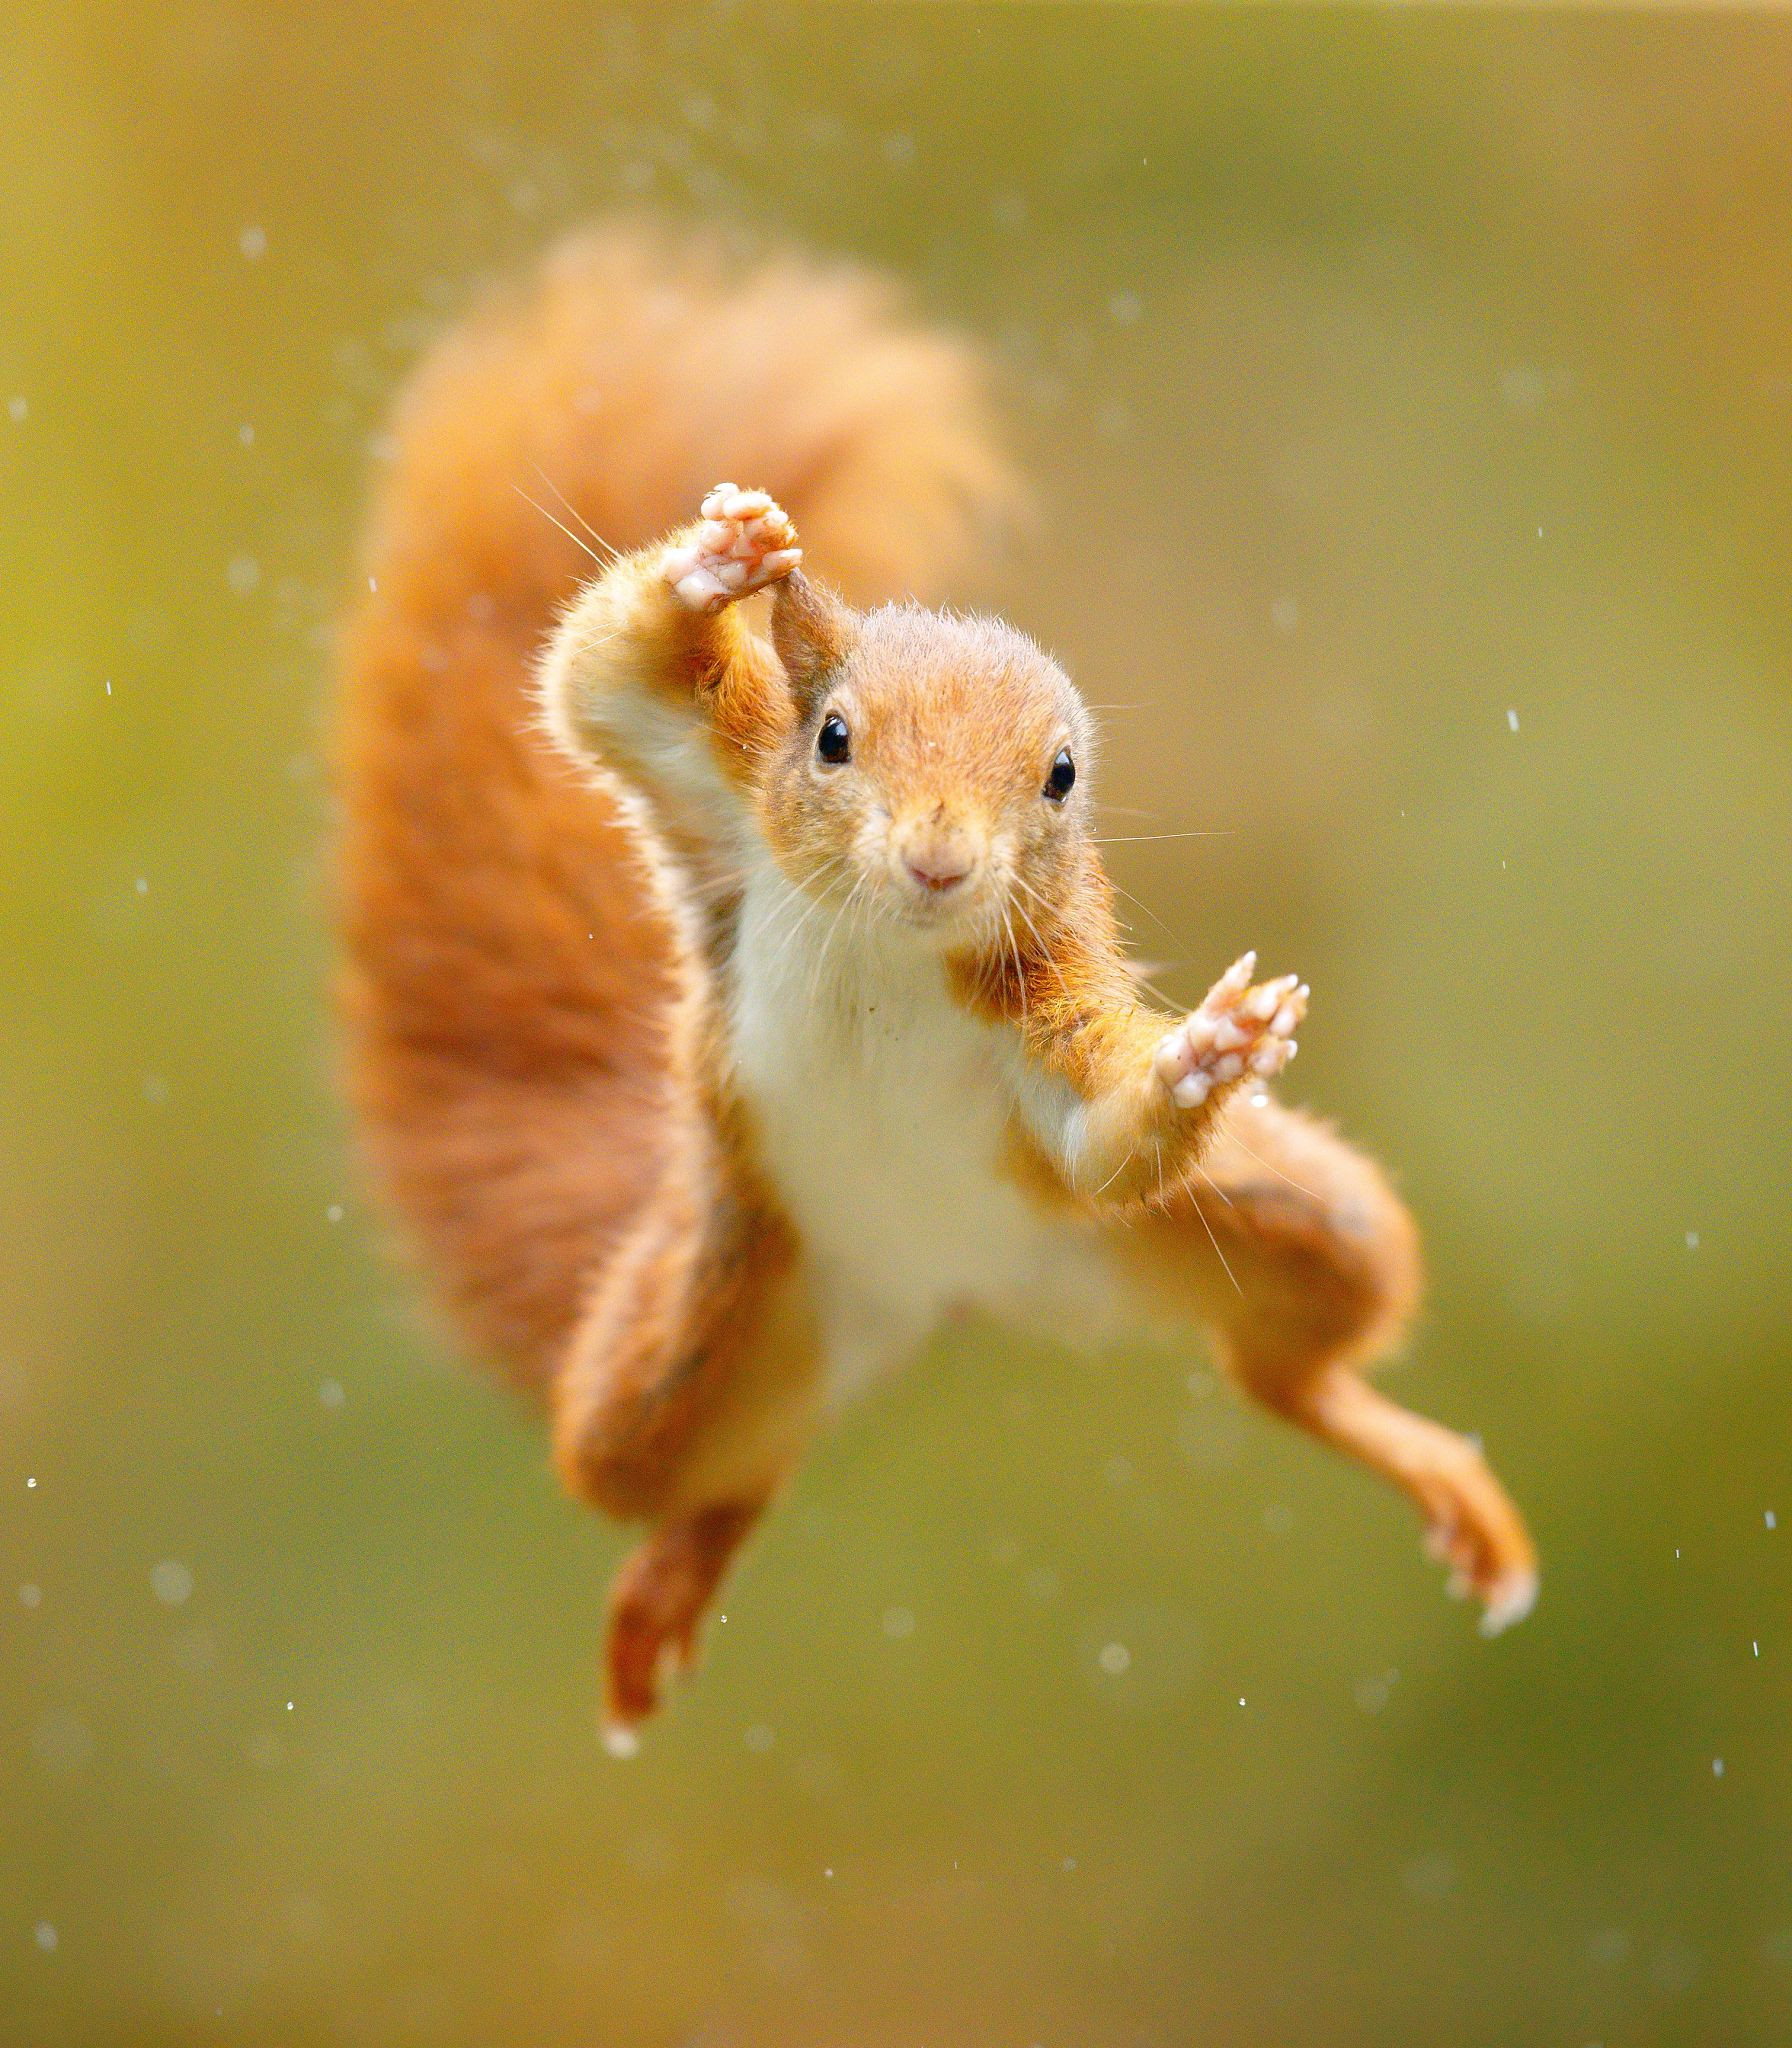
{"type": "Point", "coordinates": [813, 633]}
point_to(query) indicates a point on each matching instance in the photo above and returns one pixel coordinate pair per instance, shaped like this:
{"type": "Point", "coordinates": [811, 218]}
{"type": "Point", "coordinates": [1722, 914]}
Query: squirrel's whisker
{"type": "Point", "coordinates": [576, 539]}
{"type": "Point", "coordinates": [606, 549]}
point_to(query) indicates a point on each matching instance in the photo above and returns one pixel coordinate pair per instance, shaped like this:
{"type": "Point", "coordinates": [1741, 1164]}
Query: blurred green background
{"type": "Point", "coordinates": [1409, 398]}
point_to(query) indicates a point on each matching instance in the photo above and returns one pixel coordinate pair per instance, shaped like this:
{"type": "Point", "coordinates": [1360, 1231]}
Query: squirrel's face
{"type": "Point", "coordinates": [936, 774]}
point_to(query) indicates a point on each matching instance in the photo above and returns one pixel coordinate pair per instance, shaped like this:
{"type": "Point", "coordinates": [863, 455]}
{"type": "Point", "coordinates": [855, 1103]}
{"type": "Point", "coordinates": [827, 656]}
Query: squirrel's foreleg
{"type": "Point", "coordinates": [655, 672]}
{"type": "Point", "coordinates": [1143, 1091]}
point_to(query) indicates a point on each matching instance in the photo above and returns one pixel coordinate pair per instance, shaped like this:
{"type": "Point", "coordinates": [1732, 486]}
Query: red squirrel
{"type": "Point", "coordinates": [726, 1007]}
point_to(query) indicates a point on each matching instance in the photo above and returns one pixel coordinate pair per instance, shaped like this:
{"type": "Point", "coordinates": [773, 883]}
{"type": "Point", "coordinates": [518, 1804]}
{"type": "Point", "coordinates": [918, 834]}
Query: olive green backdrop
{"type": "Point", "coordinates": [1409, 398]}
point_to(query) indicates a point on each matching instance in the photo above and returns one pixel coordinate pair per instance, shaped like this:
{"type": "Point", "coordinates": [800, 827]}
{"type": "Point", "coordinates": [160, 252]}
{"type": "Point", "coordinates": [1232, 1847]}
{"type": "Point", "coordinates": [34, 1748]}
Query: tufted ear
{"type": "Point", "coordinates": [813, 632]}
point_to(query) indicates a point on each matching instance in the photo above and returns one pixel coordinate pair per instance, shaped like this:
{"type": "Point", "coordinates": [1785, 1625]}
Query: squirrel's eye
{"type": "Point", "coordinates": [1059, 782]}
{"type": "Point", "coordinates": [834, 743]}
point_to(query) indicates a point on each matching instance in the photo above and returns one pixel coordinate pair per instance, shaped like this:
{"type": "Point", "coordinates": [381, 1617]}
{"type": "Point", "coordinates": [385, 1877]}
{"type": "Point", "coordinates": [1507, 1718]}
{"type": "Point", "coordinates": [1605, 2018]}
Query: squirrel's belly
{"type": "Point", "coordinates": [890, 1169]}
{"type": "Point", "coordinates": [882, 1122]}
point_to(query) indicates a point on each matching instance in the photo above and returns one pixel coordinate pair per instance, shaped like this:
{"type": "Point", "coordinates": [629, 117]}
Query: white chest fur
{"type": "Point", "coordinates": [883, 1109]}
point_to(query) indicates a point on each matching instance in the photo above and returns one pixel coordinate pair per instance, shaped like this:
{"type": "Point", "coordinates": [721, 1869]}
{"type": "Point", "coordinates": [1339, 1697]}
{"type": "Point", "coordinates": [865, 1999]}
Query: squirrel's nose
{"type": "Point", "coordinates": [939, 858]}
{"type": "Point", "coordinates": [939, 871]}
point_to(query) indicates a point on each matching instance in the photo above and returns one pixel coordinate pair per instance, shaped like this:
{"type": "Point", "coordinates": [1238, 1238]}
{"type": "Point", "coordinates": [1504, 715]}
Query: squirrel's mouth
{"type": "Point", "coordinates": [947, 906]}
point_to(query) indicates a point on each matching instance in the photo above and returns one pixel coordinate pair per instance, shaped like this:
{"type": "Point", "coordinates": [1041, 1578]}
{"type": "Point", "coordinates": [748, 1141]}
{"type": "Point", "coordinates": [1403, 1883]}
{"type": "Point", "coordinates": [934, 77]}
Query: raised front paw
{"type": "Point", "coordinates": [745, 542]}
{"type": "Point", "coordinates": [1238, 1030]}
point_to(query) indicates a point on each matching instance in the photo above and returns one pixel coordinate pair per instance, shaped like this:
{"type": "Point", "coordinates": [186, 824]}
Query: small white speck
{"type": "Point", "coordinates": [899, 1623]}
{"type": "Point", "coordinates": [108, 686]}
{"type": "Point", "coordinates": [1757, 1648]}
{"type": "Point", "coordinates": [1511, 721]}
{"type": "Point", "coordinates": [1430, 1877]}
{"type": "Point", "coordinates": [30, 1484]}
{"type": "Point", "coordinates": [18, 410]}
{"type": "Point", "coordinates": [142, 885]}
{"type": "Point", "coordinates": [1717, 1766]}
{"type": "Point", "coordinates": [331, 1394]}
{"type": "Point", "coordinates": [244, 575]}
{"type": "Point", "coordinates": [333, 1214]}
{"type": "Point", "coordinates": [1241, 1699]}
{"type": "Point", "coordinates": [1373, 1693]}
{"type": "Point", "coordinates": [1692, 1240]}
{"type": "Point", "coordinates": [1115, 1660]}
{"type": "Point", "coordinates": [171, 1583]}
{"type": "Point", "coordinates": [45, 1937]}
{"type": "Point", "coordinates": [246, 435]}
{"type": "Point", "coordinates": [1539, 533]}
{"type": "Point", "coordinates": [373, 584]}
{"type": "Point", "coordinates": [1771, 1519]}
{"type": "Point", "coordinates": [827, 1873]}
{"type": "Point", "coordinates": [1522, 388]}
{"type": "Point", "coordinates": [289, 1706]}
{"type": "Point", "coordinates": [253, 242]}
{"type": "Point", "coordinates": [32, 1596]}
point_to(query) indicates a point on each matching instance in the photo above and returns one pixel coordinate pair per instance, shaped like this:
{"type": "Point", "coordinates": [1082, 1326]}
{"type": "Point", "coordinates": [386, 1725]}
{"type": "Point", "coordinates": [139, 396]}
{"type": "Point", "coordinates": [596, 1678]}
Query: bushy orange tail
{"type": "Point", "coordinates": [507, 982]}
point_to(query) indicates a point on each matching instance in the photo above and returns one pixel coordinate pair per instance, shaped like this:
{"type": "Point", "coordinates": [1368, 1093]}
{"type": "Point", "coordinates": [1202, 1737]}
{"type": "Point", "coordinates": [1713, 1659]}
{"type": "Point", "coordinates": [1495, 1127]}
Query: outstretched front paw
{"type": "Point", "coordinates": [745, 542]}
{"type": "Point", "coordinates": [1239, 1029]}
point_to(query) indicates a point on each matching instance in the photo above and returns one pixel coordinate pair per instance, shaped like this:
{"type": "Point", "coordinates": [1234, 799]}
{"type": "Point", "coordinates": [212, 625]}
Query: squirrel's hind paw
{"type": "Point", "coordinates": [1473, 1529]}
{"type": "Point", "coordinates": [1239, 1029]}
{"type": "Point", "coordinates": [746, 541]}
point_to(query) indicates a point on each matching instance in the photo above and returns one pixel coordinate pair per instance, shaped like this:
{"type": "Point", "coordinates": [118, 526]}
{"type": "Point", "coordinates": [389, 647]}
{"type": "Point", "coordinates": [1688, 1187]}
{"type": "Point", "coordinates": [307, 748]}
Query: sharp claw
{"type": "Point", "coordinates": [619, 1738]}
{"type": "Point", "coordinates": [1509, 1600]}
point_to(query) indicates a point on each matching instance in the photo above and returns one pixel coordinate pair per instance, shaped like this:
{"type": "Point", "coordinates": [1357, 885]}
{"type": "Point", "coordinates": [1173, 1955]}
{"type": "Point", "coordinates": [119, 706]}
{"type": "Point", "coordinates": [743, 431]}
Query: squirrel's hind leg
{"type": "Point", "coordinates": [685, 1398]}
{"type": "Point", "coordinates": [1305, 1265]}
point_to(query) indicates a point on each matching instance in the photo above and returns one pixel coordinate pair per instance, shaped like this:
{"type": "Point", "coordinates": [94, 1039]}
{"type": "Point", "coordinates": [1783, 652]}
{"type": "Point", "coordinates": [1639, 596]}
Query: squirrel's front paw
{"type": "Point", "coordinates": [1238, 1030]}
{"type": "Point", "coordinates": [745, 542]}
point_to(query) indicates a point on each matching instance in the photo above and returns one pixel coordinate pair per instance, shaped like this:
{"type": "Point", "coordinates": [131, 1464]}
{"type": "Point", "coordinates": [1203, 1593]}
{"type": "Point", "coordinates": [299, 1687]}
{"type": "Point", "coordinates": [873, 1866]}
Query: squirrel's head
{"type": "Point", "coordinates": [935, 771]}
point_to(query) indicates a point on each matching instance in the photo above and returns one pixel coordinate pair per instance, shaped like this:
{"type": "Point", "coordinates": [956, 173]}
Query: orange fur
{"type": "Point", "coordinates": [541, 914]}
{"type": "Point", "coordinates": [524, 1010]}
